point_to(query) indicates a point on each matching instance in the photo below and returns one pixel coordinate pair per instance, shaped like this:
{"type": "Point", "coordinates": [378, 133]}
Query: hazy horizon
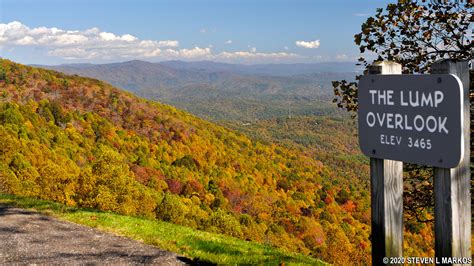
{"type": "Point", "coordinates": [187, 61]}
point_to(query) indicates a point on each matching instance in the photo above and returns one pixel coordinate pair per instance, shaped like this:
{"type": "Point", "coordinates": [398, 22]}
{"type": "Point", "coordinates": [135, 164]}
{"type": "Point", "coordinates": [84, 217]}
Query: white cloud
{"type": "Point", "coordinates": [27, 40]}
{"type": "Point", "coordinates": [341, 57]}
{"type": "Point", "coordinates": [72, 53]}
{"type": "Point", "coordinates": [255, 56]}
{"type": "Point", "coordinates": [194, 52]}
{"type": "Point", "coordinates": [94, 45]}
{"type": "Point", "coordinates": [207, 31]}
{"type": "Point", "coordinates": [168, 43]}
{"type": "Point", "coordinates": [308, 44]}
{"type": "Point", "coordinates": [86, 44]}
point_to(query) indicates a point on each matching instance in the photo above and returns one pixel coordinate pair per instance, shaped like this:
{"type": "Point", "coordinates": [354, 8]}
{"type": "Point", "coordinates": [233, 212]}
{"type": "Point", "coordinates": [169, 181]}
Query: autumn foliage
{"type": "Point", "coordinates": [82, 142]}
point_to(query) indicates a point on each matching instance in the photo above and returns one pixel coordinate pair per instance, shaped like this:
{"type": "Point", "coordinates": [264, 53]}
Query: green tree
{"type": "Point", "coordinates": [414, 34]}
{"type": "Point", "coordinates": [172, 209]}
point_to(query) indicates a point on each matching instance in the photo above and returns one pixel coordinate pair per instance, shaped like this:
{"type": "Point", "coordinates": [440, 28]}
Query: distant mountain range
{"type": "Point", "coordinates": [267, 78]}
{"type": "Point", "coordinates": [134, 75]}
{"type": "Point", "coordinates": [266, 69]}
{"type": "Point", "coordinates": [208, 89]}
{"type": "Point", "coordinates": [258, 69]}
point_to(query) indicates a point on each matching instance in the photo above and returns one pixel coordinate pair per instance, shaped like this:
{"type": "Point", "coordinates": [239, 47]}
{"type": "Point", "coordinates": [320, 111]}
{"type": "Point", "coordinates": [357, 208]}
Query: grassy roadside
{"type": "Point", "coordinates": [204, 246]}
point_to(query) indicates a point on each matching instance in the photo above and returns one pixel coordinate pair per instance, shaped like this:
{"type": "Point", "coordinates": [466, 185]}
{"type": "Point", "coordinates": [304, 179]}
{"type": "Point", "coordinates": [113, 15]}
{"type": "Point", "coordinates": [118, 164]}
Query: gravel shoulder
{"type": "Point", "coordinates": [28, 237]}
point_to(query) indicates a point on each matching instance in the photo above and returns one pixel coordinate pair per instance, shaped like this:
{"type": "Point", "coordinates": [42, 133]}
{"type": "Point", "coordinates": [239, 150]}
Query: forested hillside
{"type": "Point", "coordinates": [333, 140]}
{"type": "Point", "coordinates": [82, 142]}
{"type": "Point", "coordinates": [282, 70]}
{"type": "Point", "coordinates": [217, 91]}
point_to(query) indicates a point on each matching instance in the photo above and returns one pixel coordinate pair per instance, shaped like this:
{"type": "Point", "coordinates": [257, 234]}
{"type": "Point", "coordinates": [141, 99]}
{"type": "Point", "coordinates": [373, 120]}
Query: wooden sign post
{"type": "Point", "coordinates": [422, 119]}
{"type": "Point", "coordinates": [386, 182]}
{"type": "Point", "coordinates": [452, 185]}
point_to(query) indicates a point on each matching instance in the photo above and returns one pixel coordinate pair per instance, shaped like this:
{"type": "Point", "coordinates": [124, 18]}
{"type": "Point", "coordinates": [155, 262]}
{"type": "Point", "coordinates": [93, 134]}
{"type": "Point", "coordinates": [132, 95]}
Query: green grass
{"type": "Point", "coordinates": [204, 246]}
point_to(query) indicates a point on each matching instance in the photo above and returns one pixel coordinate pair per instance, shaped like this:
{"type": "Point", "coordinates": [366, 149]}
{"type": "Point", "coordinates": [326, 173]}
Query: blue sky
{"type": "Point", "coordinates": [277, 31]}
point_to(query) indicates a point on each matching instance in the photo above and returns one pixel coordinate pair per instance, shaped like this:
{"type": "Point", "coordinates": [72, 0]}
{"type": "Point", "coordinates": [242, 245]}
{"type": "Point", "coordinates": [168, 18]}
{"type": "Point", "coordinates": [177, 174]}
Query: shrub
{"type": "Point", "coordinates": [186, 161]}
{"type": "Point", "coordinates": [226, 223]}
{"type": "Point", "coordinates": [9, 182]}
{"type": "Point", "coordinates": [172, 209]}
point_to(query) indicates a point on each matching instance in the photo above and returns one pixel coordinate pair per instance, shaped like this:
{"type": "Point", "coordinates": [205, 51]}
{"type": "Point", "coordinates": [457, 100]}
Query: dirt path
{"type": "Point", "coordinates": [31, 238]}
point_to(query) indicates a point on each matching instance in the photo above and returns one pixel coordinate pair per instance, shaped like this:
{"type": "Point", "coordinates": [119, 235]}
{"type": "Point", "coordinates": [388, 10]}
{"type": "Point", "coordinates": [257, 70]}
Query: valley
{"type": "Point", "coordinates": [137, 157]}
{"type": "Point", "coordinates": [292, 178]}
{"type": "Point", "coordinates": [220, 92]}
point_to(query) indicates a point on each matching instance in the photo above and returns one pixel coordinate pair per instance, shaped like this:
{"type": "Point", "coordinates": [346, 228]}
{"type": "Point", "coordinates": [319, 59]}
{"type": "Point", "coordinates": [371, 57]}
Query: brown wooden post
{"type": "Point", "coordinates": [386, 178]}
{"type": "Point", "coordinates": [452, 186]}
